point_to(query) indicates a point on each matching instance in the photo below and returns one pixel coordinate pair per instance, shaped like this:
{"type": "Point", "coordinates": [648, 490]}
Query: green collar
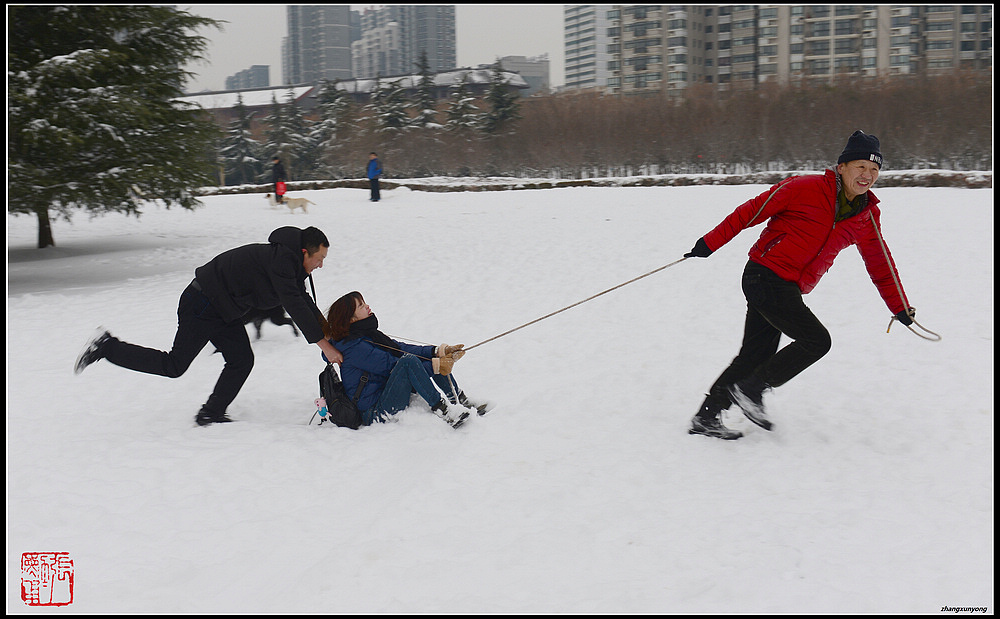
{"type": "Point", "coordinates": [850, 208]}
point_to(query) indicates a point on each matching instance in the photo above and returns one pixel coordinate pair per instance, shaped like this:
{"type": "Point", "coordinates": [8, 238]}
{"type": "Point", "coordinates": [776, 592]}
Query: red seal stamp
{"type": "Point", "coordinates": [46, 578]}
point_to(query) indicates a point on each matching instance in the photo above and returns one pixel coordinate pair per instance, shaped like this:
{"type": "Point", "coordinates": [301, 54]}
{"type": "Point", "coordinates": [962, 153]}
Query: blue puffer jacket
{"type": "Point", "coordinates": [361, 355]}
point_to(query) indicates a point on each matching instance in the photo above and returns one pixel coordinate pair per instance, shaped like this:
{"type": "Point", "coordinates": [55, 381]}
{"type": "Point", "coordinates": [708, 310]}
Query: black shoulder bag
{"type": "Point", "coordinates": [341, 410]}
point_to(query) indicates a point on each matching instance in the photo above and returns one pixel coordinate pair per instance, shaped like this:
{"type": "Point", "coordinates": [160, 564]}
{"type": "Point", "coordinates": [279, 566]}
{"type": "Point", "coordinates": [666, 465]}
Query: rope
{"type": "Point", "coordinates": [936, 338]}
{"type": "Point", "coordinates": [590, 298]}
{"type": "Point", "coordinates": [899, 286]}
{"type": "Point", "coordinates": [888, 261]}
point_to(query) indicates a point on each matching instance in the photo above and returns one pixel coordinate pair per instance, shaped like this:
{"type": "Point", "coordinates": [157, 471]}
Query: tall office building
{"type": "Point", "coordinates": [588, 32]}
{"type": "Point", "coordinates": [318, 45]}
{"type": "Point", "coordinates": [393, 37]}
{"type": "Point", "coordinates": [669, 48]}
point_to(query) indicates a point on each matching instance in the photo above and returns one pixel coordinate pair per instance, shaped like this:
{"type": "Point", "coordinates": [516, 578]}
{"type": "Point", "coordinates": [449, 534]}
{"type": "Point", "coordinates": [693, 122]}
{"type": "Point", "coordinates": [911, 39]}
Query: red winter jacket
{"type": "Point", "coordinates": [802, 238]}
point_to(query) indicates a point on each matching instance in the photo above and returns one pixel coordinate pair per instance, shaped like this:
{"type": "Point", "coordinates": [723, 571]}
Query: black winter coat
{"type": "Point", "coordinates": [278, 172]}
{"type": "Point", "coordinates": [263, 276]}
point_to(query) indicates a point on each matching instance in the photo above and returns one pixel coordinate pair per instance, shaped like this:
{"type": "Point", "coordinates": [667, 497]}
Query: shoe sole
{"type": "Point", "coordinates": [208, 422]}
{"type": "Point", "coordinates": [726, 437]}
{"type": "Point", "coordinates": [88, 349]}
{"type": "Point", "coordinates": [767, 425]}
{"type": "Point", "coordinates": [744, 403]}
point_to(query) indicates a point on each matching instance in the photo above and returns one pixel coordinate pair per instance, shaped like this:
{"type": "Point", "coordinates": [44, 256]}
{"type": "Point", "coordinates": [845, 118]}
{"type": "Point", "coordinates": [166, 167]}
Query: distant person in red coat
{"type": "Point", "coordinates": [279, 176]}
{"type": "Point", "coordinates": [810, 219]}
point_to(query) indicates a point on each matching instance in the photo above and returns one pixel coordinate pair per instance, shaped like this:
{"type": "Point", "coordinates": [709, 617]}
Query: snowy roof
{"type": "Point", "coordinates": [265, 96]}
{"type": "Point", "coordinates": [251, 98]}
{"type": "Point", "coordinates": [447, 78]}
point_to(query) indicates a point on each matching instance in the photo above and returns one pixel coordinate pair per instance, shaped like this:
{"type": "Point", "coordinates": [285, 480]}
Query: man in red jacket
{"type": "Point", "coordinates": [810, 219]}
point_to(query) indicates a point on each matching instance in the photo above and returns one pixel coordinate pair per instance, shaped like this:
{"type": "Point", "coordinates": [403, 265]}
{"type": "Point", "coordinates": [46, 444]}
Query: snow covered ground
{"type": "Point", "coordinates": [582, 491]}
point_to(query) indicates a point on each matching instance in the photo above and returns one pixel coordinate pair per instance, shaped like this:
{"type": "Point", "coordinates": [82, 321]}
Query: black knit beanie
{"type": "Point", "coordinates": [861, 146]}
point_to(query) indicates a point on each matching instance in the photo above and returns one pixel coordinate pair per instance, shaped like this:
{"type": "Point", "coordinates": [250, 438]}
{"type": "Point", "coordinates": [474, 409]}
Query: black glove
{"type": "Point", "coordinates": [700, 250]}
{"type": "Point", "coordinates": [906, 316]}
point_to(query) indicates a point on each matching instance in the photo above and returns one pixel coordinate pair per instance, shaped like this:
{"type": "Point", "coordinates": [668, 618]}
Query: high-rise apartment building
{"type": "Point", "coordinates": [257, 76]}
{"type": "Point", "coordinates": [534, 70]}
{"type": "Point", "coordinates": [393, 37]}
{"type": "Point", "coordinates": [669, 48]}
{"type": "Point", "coordinates": [587, 35]}
{"type": "Point", "coordinates": [318, 45]}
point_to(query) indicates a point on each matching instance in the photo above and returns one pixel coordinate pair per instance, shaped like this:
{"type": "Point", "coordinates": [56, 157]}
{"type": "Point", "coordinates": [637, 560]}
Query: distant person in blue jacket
{"type": "Point", "coordinates": [394, 370]}
{"type": "Point", "coordinates": [374, 172]}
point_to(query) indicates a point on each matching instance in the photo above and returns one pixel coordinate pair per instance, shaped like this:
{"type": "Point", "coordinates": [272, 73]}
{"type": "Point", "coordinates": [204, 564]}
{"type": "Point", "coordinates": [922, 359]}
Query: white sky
{"type": "Point", "coordinates": [484, 32]}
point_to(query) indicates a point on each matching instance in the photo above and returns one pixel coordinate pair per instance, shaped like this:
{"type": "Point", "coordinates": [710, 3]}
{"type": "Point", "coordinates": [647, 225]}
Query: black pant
{"type": "Point", "coordinates": [774, 306]}
{"type": "Point", "coordinates": [373, 182]}
{"type": "Point", "coordinates": [197, 324]}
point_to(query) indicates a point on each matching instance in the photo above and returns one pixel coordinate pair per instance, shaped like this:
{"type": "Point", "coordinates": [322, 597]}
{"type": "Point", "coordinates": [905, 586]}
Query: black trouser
{"type": "Point", "coordinates": [774, 306]}
{"type": "Point", "coordinates": [373, 182]}
{"type": "Point", "coordinates": [197, 324]}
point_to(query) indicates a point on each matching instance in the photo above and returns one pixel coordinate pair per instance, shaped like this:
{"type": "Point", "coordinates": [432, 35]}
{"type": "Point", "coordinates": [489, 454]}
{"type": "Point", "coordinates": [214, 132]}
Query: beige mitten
{"type": "Point", "coordinates": [445, 350]}
{"type": "Point", "coordinates": [442, 365]}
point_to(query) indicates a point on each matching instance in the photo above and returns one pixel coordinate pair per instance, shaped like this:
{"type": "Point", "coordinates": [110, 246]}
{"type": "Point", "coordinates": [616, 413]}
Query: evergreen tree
{"type": "Point", "coordinates": [332, 127]}
{"type": "Point", "coordinates": [502, 101]}
{"type": "Point", "coordinates": [424, 103]}
{"type": "Point", "coordinates": [298, 130]}
{"type": "Point", "coordinates": [463, 115]}
{"type": "Point", "coordinates": [388, 108]}
{"type": "Point", "coordinates": [93, 120]}
{"type": "Point", "coordinates": [278, 143]}
{"type": "Point", "coordinates": [241, 154]}
{"type": "Point", "coordinates": [287, 134]}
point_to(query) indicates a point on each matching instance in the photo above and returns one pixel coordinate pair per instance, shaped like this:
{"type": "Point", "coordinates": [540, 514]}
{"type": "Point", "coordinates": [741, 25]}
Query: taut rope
{"type": "Point", "coordinates": [590, 298]}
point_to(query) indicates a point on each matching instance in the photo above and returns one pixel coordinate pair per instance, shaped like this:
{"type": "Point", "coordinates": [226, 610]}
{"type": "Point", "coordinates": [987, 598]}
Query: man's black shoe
{"type": "Point", "coordinates": [93, 351]}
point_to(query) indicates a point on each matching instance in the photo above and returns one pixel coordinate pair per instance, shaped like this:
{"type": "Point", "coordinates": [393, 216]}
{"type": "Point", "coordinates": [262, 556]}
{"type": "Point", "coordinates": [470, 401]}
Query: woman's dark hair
{"type": "Point", "coordinates": [338, 317]}
{"type": "Point", "coordinates": [312, 239]}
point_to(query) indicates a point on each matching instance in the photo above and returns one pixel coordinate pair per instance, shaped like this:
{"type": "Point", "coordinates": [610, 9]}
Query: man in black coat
{"type": "Point", "coordinates": [257, 276]}
{"type": "Point", "coordinates": [278, 175]}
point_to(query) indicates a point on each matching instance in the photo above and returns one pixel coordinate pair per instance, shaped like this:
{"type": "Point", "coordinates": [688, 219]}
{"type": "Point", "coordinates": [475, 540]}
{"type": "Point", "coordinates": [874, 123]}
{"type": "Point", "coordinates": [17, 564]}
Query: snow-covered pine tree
{"type": "Point", "coordinates": [278, 143]}
{"type": "Point", "coordinates": [93, 118]}
{"type": "Point", "coordinates": [298, 130]}
{"type": "Point", "coordinates": [388, 108]}
{"type": "Point", "coordinates": [287, 135]}
{"type": "Point", "coordinates": [503, 105]}
{"type": "Point", "coordinates": [241, 154]}
{"type": "Point", "coordinates": [463, 115]}
{"type": "Point", "coordinates": [424, 103]}
{"type": "Point", "coordinates": [326, 133]}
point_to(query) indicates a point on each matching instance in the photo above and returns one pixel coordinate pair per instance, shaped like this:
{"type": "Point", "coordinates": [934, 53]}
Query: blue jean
{"type": "Point", "coordinates": [407, 376]}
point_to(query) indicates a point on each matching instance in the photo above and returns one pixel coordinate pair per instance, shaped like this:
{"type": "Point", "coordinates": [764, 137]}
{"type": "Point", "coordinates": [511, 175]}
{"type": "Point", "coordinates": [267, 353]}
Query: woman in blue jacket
{"type": "Point", "coordinates": [393, 369]}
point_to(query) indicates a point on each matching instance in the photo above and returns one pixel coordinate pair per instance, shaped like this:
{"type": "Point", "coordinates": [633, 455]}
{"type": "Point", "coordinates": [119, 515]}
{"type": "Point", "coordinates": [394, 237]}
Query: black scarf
{"type": "Point", "coordinates": [368, 329]}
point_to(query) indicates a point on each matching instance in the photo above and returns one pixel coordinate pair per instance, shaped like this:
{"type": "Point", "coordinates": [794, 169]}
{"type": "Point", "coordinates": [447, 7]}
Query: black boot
{"type": "Point", "coordinates": [206, 417]}
{"type": "Point", "coordinates": [708, 422]}
{"type": "Point", "coordinates": [482, 409]}
{"type": "Point", "coordinates": [748, 394]}
{"type": "Point", "coordinates": [455, 415]}
{"type": "Point", "coordinates": [95, 350]}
